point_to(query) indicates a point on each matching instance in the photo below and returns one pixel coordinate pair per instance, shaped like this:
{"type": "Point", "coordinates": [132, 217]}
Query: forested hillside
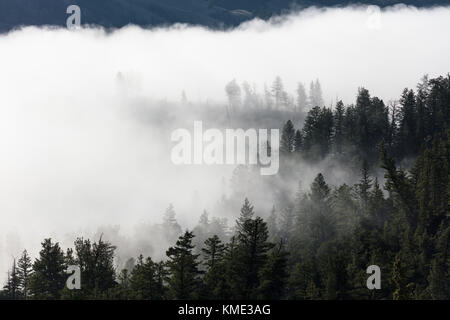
{"type": "Point", "coordinates": [313, 245]}
{"type": "Point", "coordinates": [118, 13]}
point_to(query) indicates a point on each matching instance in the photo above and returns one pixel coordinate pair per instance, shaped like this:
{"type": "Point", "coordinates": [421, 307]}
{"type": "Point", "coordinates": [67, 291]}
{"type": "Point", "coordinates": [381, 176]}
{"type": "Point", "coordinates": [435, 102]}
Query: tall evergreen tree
{"type": "Point", "coordinates": [213, 251]}
{"type": "Point", "coordinates": [403, 290]}
{"type": "Point", "coordinates": [298, 141]}
{"type": "Point", "coordinates": [246, 214]}
{"type": "Point", "coordinates": [183, 269]}
{"type": "Point", "coordinates": [253, 248]}
{"type": "Point", "coordinates": [274, 275]}
{"type": "Point", "coordinates": [24, 272]}
{"type": "Point", "coordinates": [49, 275]}
{"type": "Point", "coordinates": [146, 280]}
{"type": "Point", "coordinates": [364, 186]}
{"type": "Point", "coordinates": [339, 127]}
{"type": "Point", "coordinates": [96, 261]}
{"type": "Point", "coordinates": [287, 138]}
{"type": "Point", "coordinates": [12, 287]}
{"type": "Point", "coordinates": [408, 124]}
{"type": "Point", "coordinates": [439, 278]}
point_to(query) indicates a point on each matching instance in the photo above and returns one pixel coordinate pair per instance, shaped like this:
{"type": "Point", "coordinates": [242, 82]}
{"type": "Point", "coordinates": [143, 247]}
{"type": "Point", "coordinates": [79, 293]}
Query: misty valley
{"type": "Point", "coordinates": [241, 153]}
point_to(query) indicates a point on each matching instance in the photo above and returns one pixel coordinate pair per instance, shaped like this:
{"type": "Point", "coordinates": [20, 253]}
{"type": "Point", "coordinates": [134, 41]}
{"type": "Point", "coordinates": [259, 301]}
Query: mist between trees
{"type": "Point", "coordinates": [319, 237]}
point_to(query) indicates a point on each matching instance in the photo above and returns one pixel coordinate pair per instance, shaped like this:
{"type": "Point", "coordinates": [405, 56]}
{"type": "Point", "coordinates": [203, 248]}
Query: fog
{"type": "Point", "coordinates": [86, 115]}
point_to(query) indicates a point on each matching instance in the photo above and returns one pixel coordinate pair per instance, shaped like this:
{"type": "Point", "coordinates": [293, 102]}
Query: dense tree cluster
{"type": "Point", "coordinates": [315, 246]}
{"type": "Point", "coordinates": [359, 129]}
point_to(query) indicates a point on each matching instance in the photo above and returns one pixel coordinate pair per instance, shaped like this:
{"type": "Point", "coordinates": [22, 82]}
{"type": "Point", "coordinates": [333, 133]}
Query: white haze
{"type": "Point", "coordinates": [76, 153]}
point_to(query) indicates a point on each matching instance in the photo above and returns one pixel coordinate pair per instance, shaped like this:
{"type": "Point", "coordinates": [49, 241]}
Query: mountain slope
{"type": "Point", "coordinates": [117, 13]}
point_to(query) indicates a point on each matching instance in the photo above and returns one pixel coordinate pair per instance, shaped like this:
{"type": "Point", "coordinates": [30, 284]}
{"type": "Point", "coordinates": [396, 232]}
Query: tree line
{"type": "Point", "coordinates": [317, 246]}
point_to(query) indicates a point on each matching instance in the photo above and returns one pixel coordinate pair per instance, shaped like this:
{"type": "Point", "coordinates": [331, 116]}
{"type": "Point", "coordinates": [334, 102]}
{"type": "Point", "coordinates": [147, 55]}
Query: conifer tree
{"type": "Point", "coordinates": [339, 127]}
{"type": "Point", "coordinates": [408, 124]}
{"type": "Point", "coordinates": [49, 275]}
{"type": "Point", "coordinates": [287, 138]}
{"type": "Point", "coordinates": [246, 214]}
{"type": "Point", "coordinates": [145, 281]}
{"type": "Point", "coordinates": [213, 251]}
{"type": "Point", "coordinates": [403, 290]}
{"type": "Point", "coordinates": [273, 275]}
{"type": "Point", "coordinates": [96, 261]}
{"type": "Point", "coordinates": [298, 141]}
{"type": "Point", "coordinates": [213, 257]}
{"type": "Point", "coordinates": [24, 272]}
{"type": "Point", "coordinates": [439, 278]}
{"type": "Point", "coordinates": [183, 269]}
{"type": "Point", "coordinates": [252, 254]}
{"type": "Point", "coordinates": [364, 185]}
{"type": "Point", "coordinates": [12, 287]}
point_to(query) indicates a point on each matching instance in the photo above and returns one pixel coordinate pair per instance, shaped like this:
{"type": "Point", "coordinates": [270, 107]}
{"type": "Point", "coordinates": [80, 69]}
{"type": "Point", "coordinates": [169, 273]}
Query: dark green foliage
{"type": "Point", "coordinates": [246, 214]}
{"type": "Point", "coordinates": [288, 137]}
{"type": "Point", "coordinates": [273, 275]}
{"type": "Point", "coordinates": [49, 275]}
{"type": "Point", "coordinates": [96, 261]}
{"type": "Point", "coordinates": [12, 288]}
{"type": "Point", "coordinates": [317, 132]}
{"type": "Point", "coordinates": [147, 280]}
{"type": "Point", "coordinates": [213, 251]}
{"type": "Point", "coordinates": [183, 269]}
{"type": "Point", "coordinates": [298, 141]}
{"type": "Point", "coordinates": [24, 273]}
{"type": "Point", "coordinates": [252, 255]}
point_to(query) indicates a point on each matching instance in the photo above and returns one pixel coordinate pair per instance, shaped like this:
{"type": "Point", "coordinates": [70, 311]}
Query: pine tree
{"type": "Point", "coordinates": [321, 218]}
{"type": "Point", "coordinates": [213, 254]}
{"type": "Point", "coordinates": [228, 283]}
{"type": "Point", "coordinates": [49, 275]}
{"type": "Point", "coordinates": [378, 208]}
{"type": "Point", "coordinates": [364, 186]}
{"type": "Point", "coordinates": [317, 132]}
{"type": "Point", "coordinates": [408, 124]}
{"type": "Point", "coordinates": [253, 248]}
{"type": "Point", "coordinates": [12, 287]}
{"type": "Point", "coordinates": [298, 141]}
{"type": "Point", "coordinates": [145, 280]}
{"type": "Point", "coordinates": [439, 278]}
{"type": "Point", "coordinates": [400, 187]}
{"type": "Point", "coordinates": [24, 271]}
{"type": "Point", "coordinates": [287, 138]}
{"type": "Point", "coordinates": [273, 275]}
{"type": "Point", "coordinates": [96, 261]}
{"type": "Point", "coordinates": [213, 251]}
{"type": "Point", "coordinates": [183, 269]}
{"type": "Point", "coordinates": [286, 224]}
{"type": "Point", "coordinates": [432, 176]}
{"type": "Point", "coordinates": [246, 214]}
{"type": "Point", "coordinates": [403, 291]}
{"type": "Point", "coordinates": [339, 129]}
